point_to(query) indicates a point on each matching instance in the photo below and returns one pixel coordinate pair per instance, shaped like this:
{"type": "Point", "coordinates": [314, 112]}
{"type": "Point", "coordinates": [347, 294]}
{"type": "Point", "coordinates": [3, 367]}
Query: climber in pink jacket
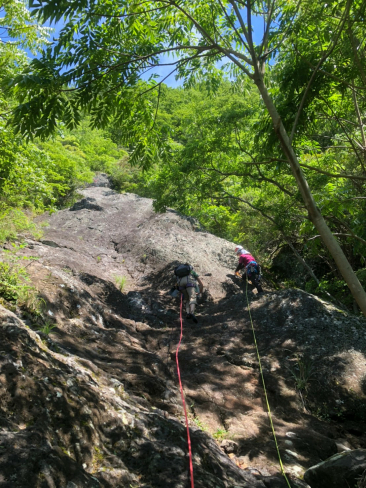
{"type": "Point", "coordinates": [250, 266]}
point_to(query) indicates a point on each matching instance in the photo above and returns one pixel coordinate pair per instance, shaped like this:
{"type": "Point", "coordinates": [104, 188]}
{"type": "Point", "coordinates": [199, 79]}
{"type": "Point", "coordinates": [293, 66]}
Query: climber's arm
{"type": "Point", "coordinates": [200, 284]}
{"type": "Point", "coordinates": [239, 267]}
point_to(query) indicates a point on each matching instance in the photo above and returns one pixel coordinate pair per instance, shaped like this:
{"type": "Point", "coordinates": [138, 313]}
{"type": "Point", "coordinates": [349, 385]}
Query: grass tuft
{"type": "Point", "coordinates": [47, 327]}
{"type": "Point", "coordinates": [121, 282]}
{"type": "Point", "coordinates": [220, 434]}
{"type": "Point", "coordinates": [302, 373]}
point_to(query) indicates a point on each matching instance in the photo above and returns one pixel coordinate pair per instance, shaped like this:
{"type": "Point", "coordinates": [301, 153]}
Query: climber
{"type": "Point", "coordinates": [251, 267]}
{"type": "Point", "coordinates": [189, 284]}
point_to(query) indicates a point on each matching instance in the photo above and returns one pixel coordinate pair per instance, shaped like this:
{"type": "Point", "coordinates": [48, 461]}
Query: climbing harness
{"type": "Point", "coordinates": [182, 393]}
{"type": "Point", "coordinates": [253, 268]}
{"type": "Point", "coordinates": [264, 389]}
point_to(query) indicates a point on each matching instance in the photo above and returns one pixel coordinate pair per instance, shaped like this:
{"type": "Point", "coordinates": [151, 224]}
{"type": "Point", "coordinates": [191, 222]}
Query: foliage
{"type": "Point", "coordinates": [211, 174]}
{"type": "Point", "coordinates": [47, 327]}
{"type": "Point", "coordinates": [145, 35]}
{"type": "Point", "coordinates": [35, 178]}
{"type": "Point", "coordinates": [13, 221]}
{"type": "Point", "coordinates": [206, 174]}
{"type": "Point", "coordinates": [302, 373]}
{"type": "Point", "coordinates": [220, 434]}
{"type": "Point", "coordinates": [15, 287]}
{"type": "Point", "coordinates": [126, 178]}
{"type": "Point", "coordinates": [12, 281]}
{"type": "Point", "coordinates": [336, 288]}
{"type": "Point", "coordinates": [22, 31]}
{"type": "Point", "coordinates": [209, 150]}
{"type": "Point", "coordinates": [200, 424]}
{"type": "Point", "coordinates": [40, 176]}
{"type": "Point", "coordinates": [99, 153]}
{"type": "Point", "coordinates": [121, 282]}
{"type": "Point", "coordinates": [29, 179]}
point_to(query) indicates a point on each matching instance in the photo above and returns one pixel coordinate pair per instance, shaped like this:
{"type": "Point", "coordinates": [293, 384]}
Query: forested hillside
{"type": "Point", "coordinates": [143, 134]}
{"type": "Point", "coordinates": [209, 148]}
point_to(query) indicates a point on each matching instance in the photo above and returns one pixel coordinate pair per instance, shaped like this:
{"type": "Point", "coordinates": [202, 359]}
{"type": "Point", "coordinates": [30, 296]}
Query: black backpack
{"type": "Point", "coordinates": [183, 270]}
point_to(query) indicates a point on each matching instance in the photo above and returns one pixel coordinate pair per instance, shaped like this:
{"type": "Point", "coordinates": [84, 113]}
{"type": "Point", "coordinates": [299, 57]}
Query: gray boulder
{"type": "Point", "coordinates": [229, 446]}
{"type": "Point", "coordinates": [341, 470]}
{"type": "Point", "coordinates": [88, 203]}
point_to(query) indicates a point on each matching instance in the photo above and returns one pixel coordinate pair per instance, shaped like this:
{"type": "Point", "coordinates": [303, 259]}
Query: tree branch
{"type": "Point", "coordinates": [330, 75]}
{"type": "Point", "coordinates": [355, 53]}
{"type": "Point", "coordinates": [264, 42]}
{"type": "Point", "coordinates": [360, 123]}
{"type": "Point", "coordinates": [333, 175]}
{"type": "Point", "coordinates": [157, 107]}
{"type": "Point", "coordinates": [233, 25]}
{"type": "Point", "coordinates": [241, 22]}
{"type": "Point", "coordinates": [124, 16]}
{"type": "Point", "coordinates": [264, 56]}
{"type": "Point", "coordinates": [273, 182]}
{"type": "Point", "coordinates": [344, 130]}
{"type": "Point", "coordinates": [341, 234]}
{"type": "Point", "coordinates": [206, 35]}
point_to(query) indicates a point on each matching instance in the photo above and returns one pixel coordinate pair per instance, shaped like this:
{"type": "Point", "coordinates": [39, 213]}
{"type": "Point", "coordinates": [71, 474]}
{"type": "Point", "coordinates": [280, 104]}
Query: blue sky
{"type": "Point", "coordinates": [163, 71]}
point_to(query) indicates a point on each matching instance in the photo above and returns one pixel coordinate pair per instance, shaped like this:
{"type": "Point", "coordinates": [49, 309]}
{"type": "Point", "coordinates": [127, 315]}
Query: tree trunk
{"type": "Point", "coordinates": [314, 214]}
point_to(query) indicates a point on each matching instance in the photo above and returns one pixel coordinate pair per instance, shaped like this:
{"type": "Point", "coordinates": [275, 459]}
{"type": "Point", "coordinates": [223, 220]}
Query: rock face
{"type": "Point", "coordinates": [96, 401]}
{"type": "Point", "coordinates": [101, 179]}
{"type": "Point", "coordinates": [71, 423]}
{"type": "Point", "coordinates": [86, 203]}
{"type": "Point", "coordinates": [344, 469]}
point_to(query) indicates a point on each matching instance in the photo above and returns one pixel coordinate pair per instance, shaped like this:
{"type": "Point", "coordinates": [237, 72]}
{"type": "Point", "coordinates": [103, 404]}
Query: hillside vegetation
{"type": "Point", "coordinates": [110, 176]}
{"type": "Point", "coordinates": [207, 149]}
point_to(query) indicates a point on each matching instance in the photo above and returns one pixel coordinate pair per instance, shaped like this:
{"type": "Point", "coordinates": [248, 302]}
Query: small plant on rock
{"type": "Point", "coordinates": [32, 302]}
{"type": "Point", "coordinates": [15, 287]}
{"type": "Point", "coordinates": [302, 373]}
{"type": "Point", "coordinates": [98, 458]}
{"type": "Point", "coordinates": [220, 434]}
{"type": "Point", "coordinates": [12, 281]}
{"type": "Point", "coordinates": [47, 327]}
{"type": "Point", "coordinates": [120, 282]}
{"type": "Point", "coordinates": [200, 424]}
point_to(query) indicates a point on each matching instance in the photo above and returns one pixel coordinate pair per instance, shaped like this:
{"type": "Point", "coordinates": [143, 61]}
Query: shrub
{"type": "Point", "coordinates": [13, 221]}
{"type": "Point", "coordinates": [15, 287]}
{"type": "Point", "coordinates": [13, 281]}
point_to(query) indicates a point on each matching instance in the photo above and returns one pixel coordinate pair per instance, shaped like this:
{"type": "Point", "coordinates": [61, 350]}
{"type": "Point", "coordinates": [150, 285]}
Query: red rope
{"type": "Point", "coordinates": [182, 394]}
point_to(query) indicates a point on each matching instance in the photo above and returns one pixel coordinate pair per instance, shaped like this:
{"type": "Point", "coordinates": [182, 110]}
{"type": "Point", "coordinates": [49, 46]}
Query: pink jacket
{"type": "Point", "coordinates": [245, 259]}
